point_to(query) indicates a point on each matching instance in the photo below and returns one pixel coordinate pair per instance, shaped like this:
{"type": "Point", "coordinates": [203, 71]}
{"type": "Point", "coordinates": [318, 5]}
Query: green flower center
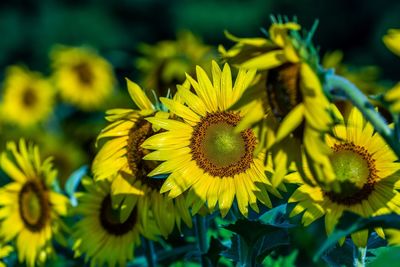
{"type": "Point", "coordinates": [217, 149]}
{"type": "Point", "coordinates": [34, 205]}
{"type": "Point", "coordinates": [351, 171]}
{"type": "Point", "coordinates": [222, 145]}
{"type": "Point", "coordinates": [110, 218]}
{"type": "Point", "coordinates": [355, 174]}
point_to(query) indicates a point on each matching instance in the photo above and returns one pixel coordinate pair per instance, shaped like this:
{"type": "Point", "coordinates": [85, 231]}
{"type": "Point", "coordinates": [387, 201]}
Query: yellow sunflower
{"type": "Point", "coordinates": [120, 159]}
{"type": "Point", "coordinates": [392, 41]}
{"type": "Point", "coordinates": [202, 152]}
{"type": "Point", "coordinates": [27, 98]}
{"type": "Point", "coordinates": [84, 78]}
{"type": "Point", "coordinates": [30, 209]}
{"type": "Point", "coordinates": [100, 234]}
{"type": "Point", "coordinates": [5, 251]}
{"type": "Point", "coordinates": [163, 65]}
{"type": "Point", "coordinates": [366, 173]}
{"type": "Point", "coordinates": [288, 64]}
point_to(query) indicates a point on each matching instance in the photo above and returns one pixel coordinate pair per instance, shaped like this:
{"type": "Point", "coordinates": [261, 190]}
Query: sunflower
{"type": "Point", "coordinates": [30, 209]}
{"type": "Point", "coordinates": [120, 159]}
{"type": "Point", "coordinates": [202, 152]}
{"type": "Point", "coordinates": [84, 78]}
{"type": "Point", "coordinates": [5, 251]}
{"type": "Point", "coordinates": [288, 64]}
{"type": "Point", "coordinates": [28, 97]}
{"type": "Point", "coordinates": [100, 234]}
{"type": "Point", "coordinates": [366, 175]}
{"type": "Point", "coordinates": [392, 41]}
{"type": "Point", "coordinates": [163, 65]}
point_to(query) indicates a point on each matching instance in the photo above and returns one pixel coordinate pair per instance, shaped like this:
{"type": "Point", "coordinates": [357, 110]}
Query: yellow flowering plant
{"type": "Point", "coordinates": [242, 158]}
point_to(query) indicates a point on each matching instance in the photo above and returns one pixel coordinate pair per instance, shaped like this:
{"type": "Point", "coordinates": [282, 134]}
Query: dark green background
{"type": "Point", "coordinates": [29, 28]}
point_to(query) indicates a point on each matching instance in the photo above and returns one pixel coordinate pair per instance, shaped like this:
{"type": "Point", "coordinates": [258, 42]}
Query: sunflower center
{"type": "Point", "coordinates": [218, 149]}
{"type": "Point", "coordinates": [283, 89]}
{"type": "Point", "coordinates": [29, 97]}
{"type": "Point", "coordinates": [222, 146]}
{"type": "Point", "coordinates": [140, 168]}
{"type": "Point", "coordinates": [34, 205]}
{"type": "Point", "coordinates": [84, 73]}
{"type": "Point", "coordinates": [110, 218]}
{"type": "Point", "coordinates": [355, 174]}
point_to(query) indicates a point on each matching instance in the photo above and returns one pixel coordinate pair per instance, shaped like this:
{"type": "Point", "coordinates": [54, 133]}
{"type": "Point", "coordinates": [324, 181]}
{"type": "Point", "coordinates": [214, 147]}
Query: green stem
{"type": "Point", "coordinates": [201, 233]}
{"type": "Point", "coordinates": [359, 257]}
{"type": "Point", "coordinates": [339, 86]}
{"type": "Point", "coordinates": [150, 252]}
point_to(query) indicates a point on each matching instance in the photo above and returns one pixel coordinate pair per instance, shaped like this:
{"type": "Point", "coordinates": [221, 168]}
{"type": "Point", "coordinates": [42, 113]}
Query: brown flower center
{"type": "Point", "coordinates": [110, 218]}
{"type": "Point", "coordinates": [84, 73]}
{"type": "Point", "coordinates": [217, 149]}
{"type": "Point", "coordinates": [34, 205]}
{"type": "Point", "coordinates": [355, 172]}
{"type": "Point", "coordinates": [29, 97]}
{"type": "Point", "coordinates": [140, 168]}
{"type": "Point", "coordinates": [283, 89]}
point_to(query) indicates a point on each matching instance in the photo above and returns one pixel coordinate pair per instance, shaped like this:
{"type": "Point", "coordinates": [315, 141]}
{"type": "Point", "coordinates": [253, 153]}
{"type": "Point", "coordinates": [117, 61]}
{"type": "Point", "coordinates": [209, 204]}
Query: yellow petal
{"type": "Point", "coordinates": [138, 96]}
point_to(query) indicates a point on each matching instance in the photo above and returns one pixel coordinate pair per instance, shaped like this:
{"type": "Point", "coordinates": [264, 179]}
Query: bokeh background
{"type": "Point", "coordinates": [30, 28]}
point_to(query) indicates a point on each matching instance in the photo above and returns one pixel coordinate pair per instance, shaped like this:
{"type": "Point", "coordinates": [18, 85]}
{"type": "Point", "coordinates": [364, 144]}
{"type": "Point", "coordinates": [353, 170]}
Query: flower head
{"type": "Point", "coordinates": [30, 209]}
{"type": "Point", "coordinates": [366, 175]}
{"type": "Point", "coordinates": [84, 78]}
{"type": "Point", "coordinates": [120, 160]}
{"type": "Point", "coordinates": [201, 149]}
{"type": "Point", "coordinates": [28, 97]}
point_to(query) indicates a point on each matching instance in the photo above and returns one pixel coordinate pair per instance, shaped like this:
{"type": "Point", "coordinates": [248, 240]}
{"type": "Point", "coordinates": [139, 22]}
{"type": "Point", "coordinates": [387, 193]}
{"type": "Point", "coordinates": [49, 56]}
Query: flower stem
{"type": "Point", "coordinates": [341, 87]}
{"type": "Point", "coordinates": [150, 252]}
{"type": "Point", "coordinates": [201, 233]}
{"type": "Point", "coordinates": [359, 256]}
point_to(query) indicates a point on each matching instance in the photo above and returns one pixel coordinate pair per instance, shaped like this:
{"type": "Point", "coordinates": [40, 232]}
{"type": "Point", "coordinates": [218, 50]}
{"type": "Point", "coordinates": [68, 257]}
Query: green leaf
{"type": "Point", "coordinates": [351, 222]}
{"type": "Point", "coordinates": [254, 240]}
{"type": "Point", "coordinates": [277, 217]}
{"type": "Point", "coordinates": [214, 251]}
{"type": "Point", "coordinates": [281, 261]}
{"type": "Point", "coordinates": [385, 256]}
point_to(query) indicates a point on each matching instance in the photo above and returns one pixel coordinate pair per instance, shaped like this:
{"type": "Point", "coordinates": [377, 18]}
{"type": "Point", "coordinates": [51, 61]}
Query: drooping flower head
{"type": "Point", "coordinates": [83, 78]}
{"type": "Point", "coordinates": [288, 64]}
{"type": "Point", "coordinates": [120, 159]}
{"type": "Point", "coordinates": [27, 98]}
{"type": "Point", "coordinates": [164, 64]}
{"type": "Point", "coordinates": [30, 209]}
{"type": "Point", "coordinates": [201, 150]}
{"type": "Point", "coordinates": [366, 175]}
{"type": "Point", "coordinates": [100, 234]}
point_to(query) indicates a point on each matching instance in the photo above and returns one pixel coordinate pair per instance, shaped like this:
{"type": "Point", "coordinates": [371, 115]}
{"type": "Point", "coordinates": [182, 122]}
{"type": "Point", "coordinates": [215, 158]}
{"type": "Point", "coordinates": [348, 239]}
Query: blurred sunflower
{"type": "Point", "coordinates": [392, 41]}
{"type": "Point", "coordinates": [100, 234]}
{"type": "Point", "coordinates": [30, 209]}
{"type": "Point", "coordinates": [201, 150]}
{"type": "Point", "coordinates": [5, 251]}
{"type": "Point", "coordinates": [84, 78]}
{"type": "Point", "coordinates": [163, 65]}
{"type": "Point", "coordinates": [120, 159]}
{"type": "Point", "coordinates": [28, 97]}
{"type": "Point", "coordinates": [288, 64]}
{"type": "Point", "coordinates": [366, 176]}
